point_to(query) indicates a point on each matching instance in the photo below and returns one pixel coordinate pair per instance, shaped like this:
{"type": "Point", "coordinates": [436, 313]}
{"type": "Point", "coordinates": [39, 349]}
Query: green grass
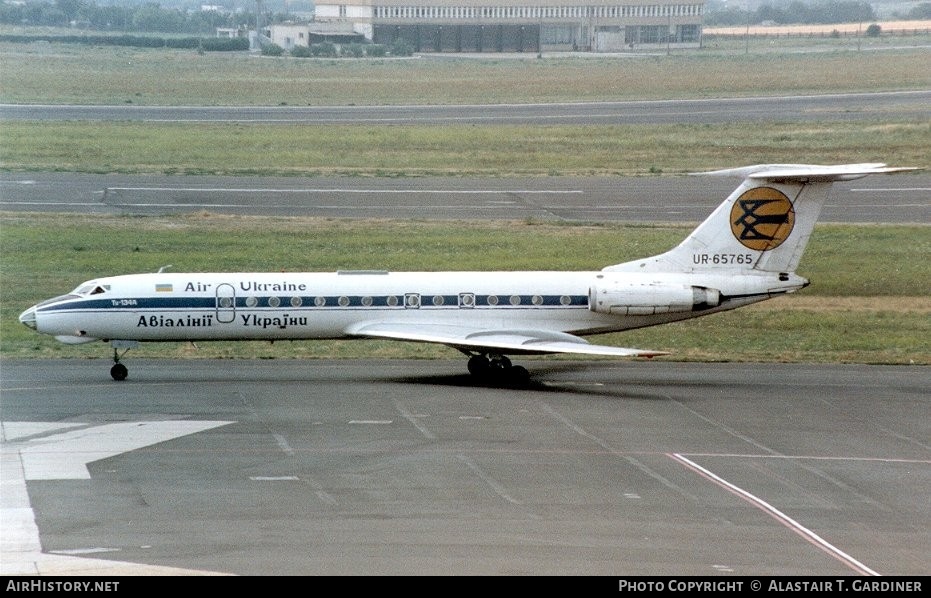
{"type": "Point", "coordinates": [785, 332]}
{"type": "Point", "coordinates": [859, 309]}
{"type": "Point", "coordinates": [63, 73]}
{"type": "Point", "coordinates": [494, 150]}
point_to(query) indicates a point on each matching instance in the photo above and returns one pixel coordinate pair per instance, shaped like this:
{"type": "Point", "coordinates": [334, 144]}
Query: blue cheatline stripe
{"type": "Point", "coordinates": [310, 302]}
{"type": "Point", "coordinates": [130, 304]}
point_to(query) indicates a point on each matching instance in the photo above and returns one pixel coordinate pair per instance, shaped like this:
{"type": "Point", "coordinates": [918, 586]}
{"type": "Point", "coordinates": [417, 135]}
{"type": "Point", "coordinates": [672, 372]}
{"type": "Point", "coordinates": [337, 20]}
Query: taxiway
{"type": "Point", "coordinates": [280, 467]}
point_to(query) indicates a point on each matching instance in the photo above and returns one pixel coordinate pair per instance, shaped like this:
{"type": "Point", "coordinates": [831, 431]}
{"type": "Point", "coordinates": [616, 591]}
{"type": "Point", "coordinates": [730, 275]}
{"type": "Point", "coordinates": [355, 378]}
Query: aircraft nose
{"type": "Point", "coordinates": [28, 317]}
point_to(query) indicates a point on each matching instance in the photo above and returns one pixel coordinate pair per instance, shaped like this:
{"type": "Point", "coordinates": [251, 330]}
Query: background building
{"type": "Point", "coordinates": [290, 35]}
{"type": "Point", "coordinates": [520, 26]}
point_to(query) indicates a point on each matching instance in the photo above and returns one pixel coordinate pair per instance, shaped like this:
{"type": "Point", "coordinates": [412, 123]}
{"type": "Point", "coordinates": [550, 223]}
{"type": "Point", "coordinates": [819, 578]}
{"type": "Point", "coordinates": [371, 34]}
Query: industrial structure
{"type": "Point", "coordinates": [516, 26]}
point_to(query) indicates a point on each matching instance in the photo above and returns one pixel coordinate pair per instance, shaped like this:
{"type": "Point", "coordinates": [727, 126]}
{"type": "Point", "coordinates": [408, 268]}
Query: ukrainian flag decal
{"type": "Point", "coordinates": [163, 288]}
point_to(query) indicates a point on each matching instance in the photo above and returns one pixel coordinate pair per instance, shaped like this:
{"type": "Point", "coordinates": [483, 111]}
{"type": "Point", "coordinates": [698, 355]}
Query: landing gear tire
{"type": "Point", "coordinates": [499, 364]}
{"type": "Point", "coordinates": [479, 366]}
{"type": "Point", "coordinates": [498, 369]}
{"type": "Point", "coordinates": [119, 372]}
{"type": "Point", "coordinates": [518, 375]}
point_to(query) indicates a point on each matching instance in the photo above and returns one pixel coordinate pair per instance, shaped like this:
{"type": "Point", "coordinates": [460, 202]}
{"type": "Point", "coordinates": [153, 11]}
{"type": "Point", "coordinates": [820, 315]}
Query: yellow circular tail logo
{"type": "Point", "coordinates": [762, 218]}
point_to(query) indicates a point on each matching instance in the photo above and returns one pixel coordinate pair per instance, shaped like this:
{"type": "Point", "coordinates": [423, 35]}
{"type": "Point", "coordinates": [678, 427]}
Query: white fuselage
{"type": "Point", "coordinates": [273, 306]}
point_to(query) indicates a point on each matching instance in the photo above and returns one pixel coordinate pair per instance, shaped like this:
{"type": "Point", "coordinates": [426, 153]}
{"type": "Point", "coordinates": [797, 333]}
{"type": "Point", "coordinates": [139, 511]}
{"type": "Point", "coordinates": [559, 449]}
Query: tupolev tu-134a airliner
{"type": "Point", "coordinates": [746, 251]}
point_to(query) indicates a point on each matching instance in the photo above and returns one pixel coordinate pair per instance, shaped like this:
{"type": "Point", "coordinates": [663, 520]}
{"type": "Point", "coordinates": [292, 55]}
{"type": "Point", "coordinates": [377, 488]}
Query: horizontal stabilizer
{"type": "Point", "coordinates": [807, 172]}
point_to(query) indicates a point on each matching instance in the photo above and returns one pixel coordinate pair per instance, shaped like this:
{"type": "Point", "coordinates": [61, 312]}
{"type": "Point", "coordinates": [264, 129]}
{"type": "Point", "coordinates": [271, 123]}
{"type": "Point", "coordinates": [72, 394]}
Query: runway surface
{"type": "Point", "coordinates": [824, 107]}
{"type": "Point", "coordinates": [673, 199]}
{"type": "Point", "coordinates": [407, 468]}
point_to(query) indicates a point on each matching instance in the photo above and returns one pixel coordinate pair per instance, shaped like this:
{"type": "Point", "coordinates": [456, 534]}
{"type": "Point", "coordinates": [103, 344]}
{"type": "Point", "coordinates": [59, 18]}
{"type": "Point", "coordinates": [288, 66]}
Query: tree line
{"type": "Point", "coordinates": [793, 12]}
{"type": "Point", "coordinates": [153, 18]}
{"type": "Point", "coordinates": [148, 18]}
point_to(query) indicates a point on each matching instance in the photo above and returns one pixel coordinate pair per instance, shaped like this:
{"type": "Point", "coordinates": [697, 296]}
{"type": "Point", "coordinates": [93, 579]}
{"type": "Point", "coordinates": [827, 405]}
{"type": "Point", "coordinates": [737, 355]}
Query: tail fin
{"type": "Point", "coordinates": [764, 225]}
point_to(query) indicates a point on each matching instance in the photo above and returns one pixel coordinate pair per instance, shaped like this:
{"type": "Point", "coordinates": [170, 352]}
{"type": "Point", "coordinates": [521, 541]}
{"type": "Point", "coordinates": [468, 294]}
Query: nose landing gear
{"type": "Point", "coordinates": [119, 372]}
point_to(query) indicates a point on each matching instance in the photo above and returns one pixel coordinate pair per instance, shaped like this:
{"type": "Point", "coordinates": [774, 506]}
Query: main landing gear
{"type": "Point", "coordinates": [497, 368]}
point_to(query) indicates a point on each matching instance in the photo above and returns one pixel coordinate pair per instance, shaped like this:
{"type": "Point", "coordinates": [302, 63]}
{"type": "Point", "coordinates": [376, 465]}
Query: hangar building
{"type": "Point", "coordinates": [519, 26]}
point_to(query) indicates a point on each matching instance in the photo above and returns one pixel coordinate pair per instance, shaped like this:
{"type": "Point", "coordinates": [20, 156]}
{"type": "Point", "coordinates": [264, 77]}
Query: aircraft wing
{"type": "Point", "coordinates": [517, 341]}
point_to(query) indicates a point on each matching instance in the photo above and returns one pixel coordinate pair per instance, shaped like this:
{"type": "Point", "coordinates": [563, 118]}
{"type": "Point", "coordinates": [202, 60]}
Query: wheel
{"type": "Point", "coordinates": [500, 364]}
{"type": "Point", "coordinates": [479, 366]}
{"type": "Point", "coordinates": [119, 372]}
{"type": "Point", "coordinates": [518, 375]}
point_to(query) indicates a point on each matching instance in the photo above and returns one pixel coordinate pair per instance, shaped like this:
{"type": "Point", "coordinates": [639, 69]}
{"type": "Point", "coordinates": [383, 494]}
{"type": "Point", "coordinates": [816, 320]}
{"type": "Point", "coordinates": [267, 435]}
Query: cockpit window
{"type": "Point", "coordinates": [92, 289]}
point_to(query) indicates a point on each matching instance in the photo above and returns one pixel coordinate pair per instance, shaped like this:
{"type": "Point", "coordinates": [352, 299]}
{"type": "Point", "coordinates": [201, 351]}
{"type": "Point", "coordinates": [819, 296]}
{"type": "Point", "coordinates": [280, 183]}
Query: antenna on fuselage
{"type": "Point", "coordinates": [163, 268]}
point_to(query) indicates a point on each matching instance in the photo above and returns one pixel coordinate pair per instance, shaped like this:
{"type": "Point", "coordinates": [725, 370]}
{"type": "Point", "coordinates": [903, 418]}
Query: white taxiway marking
{"type": "Point", "coordinates": [890, 189]}
{"type": "Point", "coordinates": [20, 546]}
{"type": "Point", "coordinates": [65, 456]}
{"type": "Point", "coordinates": [80, 551]}
{"type": "Point", "coordinates": [349, 190]}
{"type": "Point", "coordinates": [779, 516]}
{"type": "Point", "coordinates": [413, 420]}
{"type": "Point", "coordinates": [492, 483]}
{"type": "Point", "coordinates": [10, 431]}
{"type": "Point", "coordinates": [283, 444]}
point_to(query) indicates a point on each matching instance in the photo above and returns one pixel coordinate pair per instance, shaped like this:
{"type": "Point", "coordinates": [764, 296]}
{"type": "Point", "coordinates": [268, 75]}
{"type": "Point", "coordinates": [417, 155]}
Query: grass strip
{"type": "Point", "coordinates": [308, 150]}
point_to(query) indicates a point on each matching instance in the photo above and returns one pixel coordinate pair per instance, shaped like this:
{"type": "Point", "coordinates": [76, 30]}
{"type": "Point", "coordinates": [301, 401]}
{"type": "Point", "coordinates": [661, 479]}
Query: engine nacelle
{"type": "Point", "coordinates": [619, 297]}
